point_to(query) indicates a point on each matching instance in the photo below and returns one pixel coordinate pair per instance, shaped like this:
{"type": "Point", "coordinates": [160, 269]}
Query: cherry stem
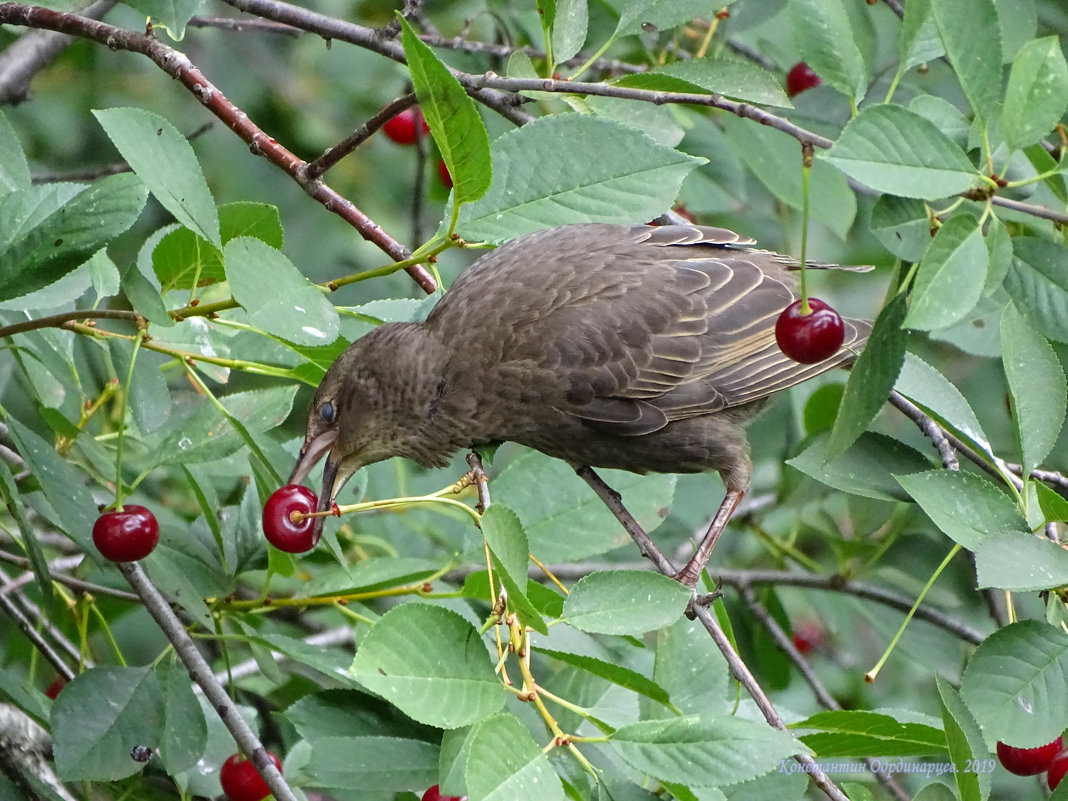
{"type": "Point", "coordinates": [122, 420]}
{"type": "Point", "coordinates": [806, 169]}
{"type": "Point", "coordinates": [871, 674]}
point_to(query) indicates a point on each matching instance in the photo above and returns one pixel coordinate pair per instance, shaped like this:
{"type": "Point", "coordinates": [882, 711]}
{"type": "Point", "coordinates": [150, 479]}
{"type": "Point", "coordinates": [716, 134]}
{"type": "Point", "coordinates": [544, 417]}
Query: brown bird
{"type": "Point", "coordinates": [640, 348]}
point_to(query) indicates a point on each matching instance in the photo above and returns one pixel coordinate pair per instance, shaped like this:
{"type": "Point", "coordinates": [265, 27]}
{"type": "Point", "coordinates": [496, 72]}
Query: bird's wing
{"type": "Point", "coordinates": [640, 326]}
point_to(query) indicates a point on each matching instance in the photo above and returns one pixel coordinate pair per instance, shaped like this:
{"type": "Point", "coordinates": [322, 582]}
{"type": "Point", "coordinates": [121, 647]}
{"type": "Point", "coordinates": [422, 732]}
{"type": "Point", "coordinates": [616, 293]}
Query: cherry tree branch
{"type": "Point", "coordinates": [179, 67]}
{"type": "Point", "coordinates": [331, 28]}
{"type": "Point", "coordinates": [761, 613]}
{"type": "Point", "coordinates": [702, 612]}
{"type": "Point", "coordinates": [200, 672]}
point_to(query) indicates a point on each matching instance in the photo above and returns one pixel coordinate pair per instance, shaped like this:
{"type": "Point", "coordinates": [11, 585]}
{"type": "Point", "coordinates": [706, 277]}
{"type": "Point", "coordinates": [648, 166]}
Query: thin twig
{"type": "Point", "coordinates": [201, 673]}
{"type": "Point", "coordinates": [55, 572]}
{"type": "Point", "coordinates": [746, 679]}
{"type": "Point", "coordinates": [343, 148]}
{"type": "Point", "coordinates": [331, 28]}
{"type": "Point", "coordinates": [242, 25]}
{"type": "Point", "coordinates": [761, 613]}
{"type": "Point", "coordinates": [929, 427]}
{"type": "Point", "coordinates": [8, 607]}
{"type": "Point", "coordinates": [612, 499]}
{"type": "Point", "coordinates": [614, 502]}
{"type": "Point", "coordinates": [474, 461]}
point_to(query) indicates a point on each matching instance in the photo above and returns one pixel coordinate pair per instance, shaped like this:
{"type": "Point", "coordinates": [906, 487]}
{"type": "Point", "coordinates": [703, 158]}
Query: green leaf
{"type": "Point", "coordinates": [775, 159]}
{"type": "Point", "coordinates": [963, 25]}
{"type": "Point", "coordinates": [663, 14]}
{"type": "Point", "coordinates": [703, 751]}
{"type": "Point", "coordinates": [1054, 506]}
{"type": "Point", "coordinates": [934, 792]}
{"type": "Point", "coordinates": [99, 717]}
{"type": "Point", "coordinates": [537, 184]}
{"type": "Point", "coordinates": [276, 296]}
{"type": "Point", "coordinates": [204, 433]}
{"type": "Point", "coordinates": [570, 25]}
{"type": "Point", "coordinates": [63, 485]}
{"type": "Point", "coordinates": [860, 733]}
{"type": "Point", "coordinates": [1037, 385]}
{"type": "Point", "coordinates": [866, 469]}
{"type": "Point", "coordinates": [49, 231]}
{"type": "Point", "coordinates": [824, 35]}
{"type": "Point", "coordinates": [625, 602]}
{"type": "Point", "coordinates": [1018, 20]}
{"type": "Point", "coordinates": [505, 536]}
{"type": "Point", "coordinates": [1038, 284]}
{"type": "Point", "coordinates": [183, 260]}
{"type": "Point", "coordinates": [918, 40]}
{"type": "Point", "coordinates": [902, 225]}
{"type": "Point", "coordinates": [12, 501]}
{"type": "Point", "coordinates": [185, 730]}
{"type": "Point", "coordinates": [348, 713]}
{"type": "Point", "coordinates": [723, 75]}
{"type": "Point", "coordinates": [1020, 562]}
{"type": "Point", "coordinates": [965, 507]}
{"type": "Point", "coordinates": [1037, 93]}
{"type": "Point", "coordinates": [14, 171]}
{"type": "Point", "coordinates": [571, 523]}
{"type": "Point", "coordinates": [690, 667]}
{"type": "Point", "coordinates": [935, 394]}
{"type": "Point", "coordinates": [452, 117]}
{"type": "Point", "coordinates": [617, 674]}
{"type": "Point", "coordinates": [508, 544]}
{"type": "Point", "coordinates": [871, 378]}
{"type": "Point", "coordinates": [947, 118]}
{"type": "Point", "coordinates": [173, 15]}
{"type": "Point", "coordinates": [504, 763]}
{"type": "Point", "coordinates": [431, 664]}
{"type": "Point", "coordinates": [999, 248]}
{"type": "Point", "coordinates": [966, 746]}
{"type": "Point", "coordinates": [894, 150]}
{"type": "Point", "coordinates": [372, 764]}
{"type": "Point", "coordinates": [951, 276]}
{"type": "Point", "coordinates": [1016, 684]}
{"type": "Point", "coordinates": [163, 158]}
{"type": "Point", "coordinates": [141, 288]}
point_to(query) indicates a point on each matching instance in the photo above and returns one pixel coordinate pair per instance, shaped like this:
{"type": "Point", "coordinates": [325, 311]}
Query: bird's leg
{"type": "Point", "coordinates": [692, 571]}
{"type": "Point", "coordinates": [615, 505]}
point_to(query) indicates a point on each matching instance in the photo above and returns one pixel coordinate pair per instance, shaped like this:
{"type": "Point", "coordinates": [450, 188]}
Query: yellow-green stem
{"type": "Point", "coordinates": [123, 403]}
{"type": "Point", "coordinates": [871, 674]}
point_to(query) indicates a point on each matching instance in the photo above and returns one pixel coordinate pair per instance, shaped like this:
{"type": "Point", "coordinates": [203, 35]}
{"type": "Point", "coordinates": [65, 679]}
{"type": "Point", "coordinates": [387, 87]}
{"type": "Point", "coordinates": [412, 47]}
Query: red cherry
{"type": "Point", "coordinates": [126, 536]}
{"type": "Point", "coordinates": [443, 173]}
{"type": "Point", "coordinates": [1027, 761]}
{"type": "Point", "coordinates": [801, 77]}
{"type": "Point", "coordinates": [1058, 766]}
{"type": "Point", "coordinates": [278, 526]}
{"type": "Point", "coordinates": [808, 636]}
{"type": "Point", "coordinates": [434, 794]}
{"type": "Point", "coordinates": [241, 781]}
{"type": "Point", "coordinates": [55, 687]}
{"type": "Point", "coordinates": [809, 338]}
{"type": "Point", "coordinates": [402, 128]}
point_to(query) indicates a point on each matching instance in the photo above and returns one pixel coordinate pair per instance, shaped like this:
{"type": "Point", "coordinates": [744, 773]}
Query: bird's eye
{"type": "Point", "coordinates": [326, 411]}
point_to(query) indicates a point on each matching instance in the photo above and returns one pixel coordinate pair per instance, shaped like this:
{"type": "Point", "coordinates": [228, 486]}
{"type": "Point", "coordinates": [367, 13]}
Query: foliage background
{"type": "Point", "coordinates": [832, 550]}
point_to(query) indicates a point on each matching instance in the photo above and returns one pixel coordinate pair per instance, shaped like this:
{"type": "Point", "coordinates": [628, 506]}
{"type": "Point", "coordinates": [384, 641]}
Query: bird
{"type": "Point", "coordinates": [642, 348]}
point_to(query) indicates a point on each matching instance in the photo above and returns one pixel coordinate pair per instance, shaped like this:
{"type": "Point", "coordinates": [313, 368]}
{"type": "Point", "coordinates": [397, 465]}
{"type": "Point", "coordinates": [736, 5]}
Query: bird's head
{"type": "Point", "coordinates": [331, 415]}
{"type": "Point", "coordinates": [370, 406]}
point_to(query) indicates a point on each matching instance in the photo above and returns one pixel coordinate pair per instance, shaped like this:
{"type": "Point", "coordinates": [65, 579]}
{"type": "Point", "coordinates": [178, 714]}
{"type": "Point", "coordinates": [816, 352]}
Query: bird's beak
{"type": "Point", "coordinates": [311, 453]}
{"type": "Point", "coordinates": [314, 450]}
